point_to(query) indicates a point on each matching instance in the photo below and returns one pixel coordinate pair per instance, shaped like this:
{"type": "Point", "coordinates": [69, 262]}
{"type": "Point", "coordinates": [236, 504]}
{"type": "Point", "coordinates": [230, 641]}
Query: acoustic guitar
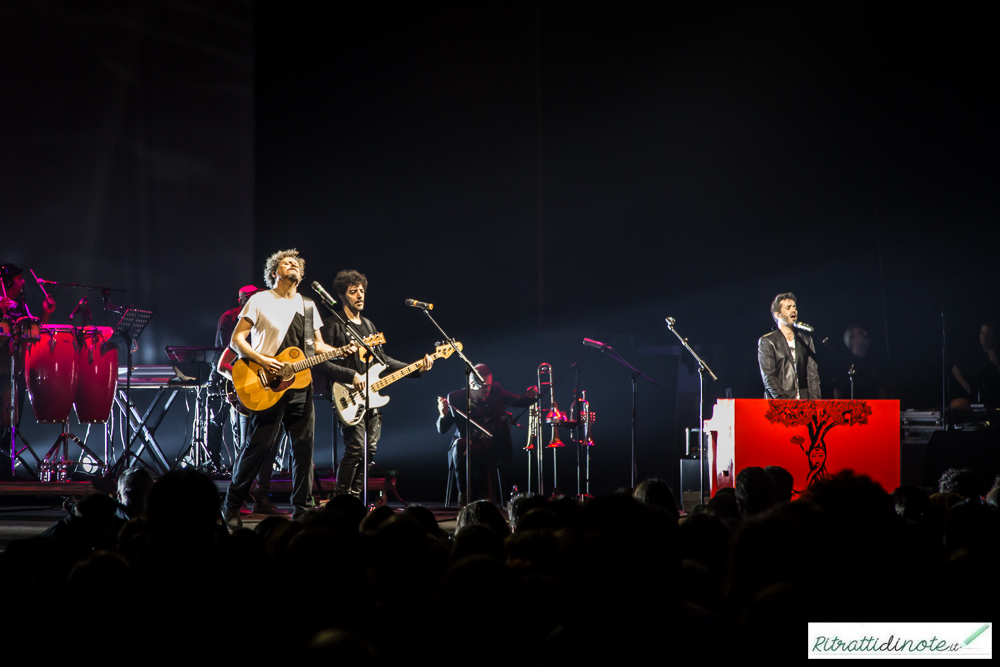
{"type": "Point", "coordinates": [260, 388]}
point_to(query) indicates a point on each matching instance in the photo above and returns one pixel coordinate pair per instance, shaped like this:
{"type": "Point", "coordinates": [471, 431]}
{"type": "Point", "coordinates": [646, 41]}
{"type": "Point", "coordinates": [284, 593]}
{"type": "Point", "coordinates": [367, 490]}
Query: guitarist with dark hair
{"type": "Point", "coordinates": [270, 324]}
{"type": "Point", "coordinates": [350, 288]}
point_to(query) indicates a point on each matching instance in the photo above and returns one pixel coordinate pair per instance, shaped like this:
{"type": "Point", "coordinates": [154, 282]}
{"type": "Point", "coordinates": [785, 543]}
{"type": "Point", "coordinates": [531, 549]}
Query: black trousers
{"type": "Point", "coordinates": [484, 461]}
{"type": "Point", "coordinates": [295, 414]}
{"type": "Point", "coordinates": [350, 476]}
{"type": "Point", "coordinates": [219, 409]}
{"type": "Point", "coordinates": [261, 489]}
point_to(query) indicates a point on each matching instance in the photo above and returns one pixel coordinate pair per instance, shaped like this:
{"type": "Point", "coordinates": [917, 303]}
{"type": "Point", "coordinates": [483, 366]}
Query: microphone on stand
{"type": "Point", "coordinates": [83, 302]}
{"type": "Point", "coordinates": [803, 326]}
{"type": "Point", "coordinates": [594, 343]}
{"type": "Point", "coordinates": [323, 294]}
{"type": "Point", "coordinates": [419, 304]}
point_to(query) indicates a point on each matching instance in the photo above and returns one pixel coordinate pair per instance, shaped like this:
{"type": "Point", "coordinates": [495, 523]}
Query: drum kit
{"type": "Point", "coordinates": [579, 421]}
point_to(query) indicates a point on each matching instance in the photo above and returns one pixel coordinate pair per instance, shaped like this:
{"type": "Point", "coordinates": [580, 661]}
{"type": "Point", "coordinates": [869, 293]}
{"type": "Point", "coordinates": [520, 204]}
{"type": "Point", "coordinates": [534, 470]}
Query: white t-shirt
{"type": "Point", "coordinates": [271, 315]}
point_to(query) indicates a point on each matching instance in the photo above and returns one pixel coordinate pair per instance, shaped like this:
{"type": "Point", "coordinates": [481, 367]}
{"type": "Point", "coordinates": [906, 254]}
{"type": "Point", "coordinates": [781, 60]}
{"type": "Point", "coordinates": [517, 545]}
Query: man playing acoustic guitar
{"type": "Point", "coordinates": [275, 320]}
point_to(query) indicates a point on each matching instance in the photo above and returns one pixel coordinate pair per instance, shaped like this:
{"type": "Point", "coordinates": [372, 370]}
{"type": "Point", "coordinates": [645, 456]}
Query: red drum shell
{"type": "Point", "coordinates": [50, 368]}
{"type": "Point", "coordinates": [5, 330]}
{"type": "Point", "coordinates": [97, 367]}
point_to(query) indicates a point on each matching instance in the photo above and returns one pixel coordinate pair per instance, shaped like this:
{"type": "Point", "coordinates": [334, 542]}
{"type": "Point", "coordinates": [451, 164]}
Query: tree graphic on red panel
{"type": "Point", "coordinates": [819, 417]}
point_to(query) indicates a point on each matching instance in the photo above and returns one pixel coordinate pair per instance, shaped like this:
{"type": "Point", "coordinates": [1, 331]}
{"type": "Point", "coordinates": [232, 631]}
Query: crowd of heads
{"type": "Point", "coordinates": [544, 580]}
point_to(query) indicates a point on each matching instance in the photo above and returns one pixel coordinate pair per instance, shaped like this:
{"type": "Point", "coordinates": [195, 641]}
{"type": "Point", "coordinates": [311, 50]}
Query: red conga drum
{"type": "Point", "coordinates": [50, 368]}
{"type": "Point", "coordinates": [97, 368]}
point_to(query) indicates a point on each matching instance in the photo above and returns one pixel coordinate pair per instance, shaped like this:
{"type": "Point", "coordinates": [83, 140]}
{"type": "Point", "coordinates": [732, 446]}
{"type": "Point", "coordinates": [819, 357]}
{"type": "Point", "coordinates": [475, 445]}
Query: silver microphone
{"type": "Point", "coordinates": [419, 304]}
{"type": "Point", "coordinates": [803, 326]}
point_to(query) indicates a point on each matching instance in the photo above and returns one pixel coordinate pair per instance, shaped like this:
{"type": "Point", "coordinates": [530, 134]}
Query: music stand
{"type": "Point", "coordinates": [129, 327]}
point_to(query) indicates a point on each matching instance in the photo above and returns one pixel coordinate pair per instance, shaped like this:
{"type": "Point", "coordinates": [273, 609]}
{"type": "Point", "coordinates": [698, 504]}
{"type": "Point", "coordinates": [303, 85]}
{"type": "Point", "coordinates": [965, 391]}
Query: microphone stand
{"type": "Point", "coordinates": [636, 374]}
{"type": "Point", "coordinates": [469, 370]}
{"type": "Point", "coordinates": [702, 369]}
{"type": "Point", "coordinates": [944, 376]}
{"type": "Point", "coordinates": [105, 293]}
{"type": "Point", "coordinates": [368, 365]}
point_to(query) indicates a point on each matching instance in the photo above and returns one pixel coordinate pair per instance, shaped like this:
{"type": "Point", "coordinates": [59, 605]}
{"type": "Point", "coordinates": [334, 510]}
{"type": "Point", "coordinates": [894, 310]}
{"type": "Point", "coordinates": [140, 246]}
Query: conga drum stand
{"type": "Point", "coordinates": [58, 464]}
{"type": "Point", "coordinates": [14, 414]}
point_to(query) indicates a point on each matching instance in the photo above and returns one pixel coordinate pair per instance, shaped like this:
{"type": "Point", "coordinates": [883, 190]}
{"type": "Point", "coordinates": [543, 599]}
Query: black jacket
{"type": "Point", "coordinates": [335, 334]}
{"type": "Point", "coordinates": [491, 414]}
{"type": "Point", "coordinates": [780, 373]}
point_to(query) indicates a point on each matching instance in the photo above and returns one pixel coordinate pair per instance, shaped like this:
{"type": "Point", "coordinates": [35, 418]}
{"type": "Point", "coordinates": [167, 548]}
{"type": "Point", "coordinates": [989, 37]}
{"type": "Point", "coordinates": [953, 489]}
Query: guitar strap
{"type": "Point", "coordinates": [361, 335]}
{"type": "Point", "coordinates": [307, 333]}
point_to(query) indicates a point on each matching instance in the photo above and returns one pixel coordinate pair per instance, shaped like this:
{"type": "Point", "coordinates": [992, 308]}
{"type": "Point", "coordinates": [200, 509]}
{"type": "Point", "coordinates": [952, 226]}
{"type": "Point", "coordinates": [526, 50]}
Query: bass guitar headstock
{"type": "Point", "coordinates": [445, 350]}
{"type": "Point", "coordinates": [374, 339]}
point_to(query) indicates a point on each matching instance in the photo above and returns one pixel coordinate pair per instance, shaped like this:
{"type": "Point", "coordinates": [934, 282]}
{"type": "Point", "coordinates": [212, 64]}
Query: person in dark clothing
{"type": "Point", "coordinates": [271, 322]}
{"type": "Point", "coordinates": [221, 412]}
{"type": "Point", "coordinates": [227, 322]}
{"type": "Point", "coordinates": [869, 379]}
{"type": "Point", "coordinates": [489, 409]}
{"type": "Point", "coordinates": [980, 378]}
{"type": "Point", "coordinates": [350, 287]}
{"type": "Point", "coordinates": [787, 356]}
{"type": "Point", "coordinates": [13, 308]}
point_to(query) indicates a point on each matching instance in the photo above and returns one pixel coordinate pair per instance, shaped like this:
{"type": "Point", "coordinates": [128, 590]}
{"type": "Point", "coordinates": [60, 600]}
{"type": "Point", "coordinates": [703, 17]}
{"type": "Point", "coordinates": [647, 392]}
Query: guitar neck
{"type": "Point", "coordinates": [399, 375]}
{"type": "Point", "coordinates": [309, 362]}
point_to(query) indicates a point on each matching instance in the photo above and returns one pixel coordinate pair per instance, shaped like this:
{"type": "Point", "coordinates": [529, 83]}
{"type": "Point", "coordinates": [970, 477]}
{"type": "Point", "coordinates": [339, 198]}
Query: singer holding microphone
{"type": "Point", "coordinates": [787, 356]}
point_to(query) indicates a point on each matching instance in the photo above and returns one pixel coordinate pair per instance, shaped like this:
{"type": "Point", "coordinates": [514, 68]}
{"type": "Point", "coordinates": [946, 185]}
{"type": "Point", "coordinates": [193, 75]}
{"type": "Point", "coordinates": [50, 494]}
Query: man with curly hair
{"type": "Point", "coordinates": [350, 288]}
{"type": "Point", "coordinates": [270, 322]}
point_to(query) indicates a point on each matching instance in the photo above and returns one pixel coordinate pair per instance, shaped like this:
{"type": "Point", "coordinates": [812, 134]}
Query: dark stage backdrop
{"type": "Point", "coordinates": [128, 162]}
{"type": "Point", "coordinates": [540, 172]}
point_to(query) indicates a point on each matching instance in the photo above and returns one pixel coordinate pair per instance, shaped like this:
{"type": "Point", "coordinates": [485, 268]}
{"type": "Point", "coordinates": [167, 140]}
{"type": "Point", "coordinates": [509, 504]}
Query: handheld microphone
{"type": "Point", "coordinates": [323, 294]}
{"type": "Point", "coordinates": [419, 304]}
{"type": "Point", "coordinates": [803, 326]}
{"type": "Point", "coordinates": [594, 343]}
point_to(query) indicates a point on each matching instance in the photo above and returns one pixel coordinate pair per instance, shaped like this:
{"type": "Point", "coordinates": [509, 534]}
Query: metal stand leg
{"type": "Point", "coordinates": [448, 486]}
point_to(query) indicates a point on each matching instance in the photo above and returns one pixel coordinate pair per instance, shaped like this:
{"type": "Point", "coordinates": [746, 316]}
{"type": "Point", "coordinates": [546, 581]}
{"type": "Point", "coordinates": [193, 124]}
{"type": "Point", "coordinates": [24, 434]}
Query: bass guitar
{"type": "Point", "coordinates": [350, 403]}
{"type": "Point", "coordinates": [260, 388]}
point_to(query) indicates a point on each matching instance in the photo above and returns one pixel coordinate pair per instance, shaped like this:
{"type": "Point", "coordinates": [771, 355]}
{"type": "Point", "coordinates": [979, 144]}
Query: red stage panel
{"type": "Point", "coordinates": [810, 439]}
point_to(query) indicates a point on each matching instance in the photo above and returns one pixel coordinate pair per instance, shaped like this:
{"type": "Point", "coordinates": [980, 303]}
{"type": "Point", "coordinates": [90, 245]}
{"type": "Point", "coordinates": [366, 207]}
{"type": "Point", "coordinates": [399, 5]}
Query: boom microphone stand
{"type": "Point", "coordinates": [469, 370]}
{"type": "Point", "coordinates": [636, 374]}
{"type": "Point", "coordinates": [702, 369]}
